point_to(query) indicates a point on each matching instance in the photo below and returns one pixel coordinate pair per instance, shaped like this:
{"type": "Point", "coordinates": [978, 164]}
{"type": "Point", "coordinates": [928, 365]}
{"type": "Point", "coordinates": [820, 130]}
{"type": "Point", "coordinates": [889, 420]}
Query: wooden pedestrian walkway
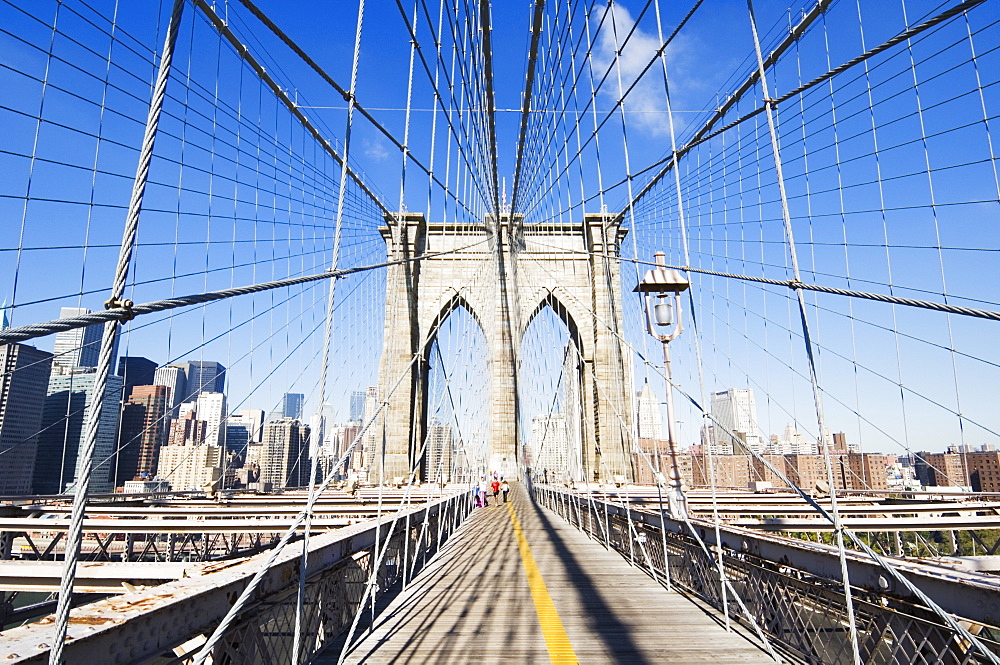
{"type": "Point", "coordinates": [483, 601]}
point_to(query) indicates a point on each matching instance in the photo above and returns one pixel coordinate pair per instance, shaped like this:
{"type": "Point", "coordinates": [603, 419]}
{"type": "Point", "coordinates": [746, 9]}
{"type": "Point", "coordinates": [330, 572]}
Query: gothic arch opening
{"type": "Point", "coordinates": [552, 417]}
{"type": "Point", "coordinates": [456, 396]}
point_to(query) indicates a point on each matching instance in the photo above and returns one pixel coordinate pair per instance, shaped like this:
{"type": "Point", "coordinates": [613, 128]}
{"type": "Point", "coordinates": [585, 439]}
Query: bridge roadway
{"type": "Point", "coordinates": [475, 604]}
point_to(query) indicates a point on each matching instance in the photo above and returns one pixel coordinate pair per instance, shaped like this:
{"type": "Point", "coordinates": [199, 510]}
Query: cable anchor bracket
{"type": "Point", "coordinates": [123, 304]}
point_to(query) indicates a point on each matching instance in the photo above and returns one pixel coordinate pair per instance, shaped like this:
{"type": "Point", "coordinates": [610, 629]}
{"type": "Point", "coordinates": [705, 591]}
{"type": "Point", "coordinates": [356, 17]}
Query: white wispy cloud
{"type": "Point", "coordinates": [375, 150]}
{"type": "Point", "coordinates": [646, 104]}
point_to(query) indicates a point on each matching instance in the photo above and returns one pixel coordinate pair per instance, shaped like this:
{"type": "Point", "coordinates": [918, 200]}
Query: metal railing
{"type": "Point", "coordinates": [793, 589]}
{"type": "Point", "coordinates": [168, 624]}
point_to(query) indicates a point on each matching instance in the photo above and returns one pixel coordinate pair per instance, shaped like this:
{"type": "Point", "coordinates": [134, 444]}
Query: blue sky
{"type": "Point", "coordinates": [242, 194]}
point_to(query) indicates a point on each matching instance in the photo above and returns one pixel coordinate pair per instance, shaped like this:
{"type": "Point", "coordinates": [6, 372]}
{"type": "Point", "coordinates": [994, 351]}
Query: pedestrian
{"type": "Point", "coordinates": [505, 488]}
{"type": "Point", "coordinates": [495, 486]}
{"type": "Point", "coordinates": [483, 489]}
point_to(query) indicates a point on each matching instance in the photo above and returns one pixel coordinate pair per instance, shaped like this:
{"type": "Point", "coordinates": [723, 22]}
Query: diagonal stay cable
{"type": "Point", "coordinates": [241, 602]}
{"type": "Point", "coordinates": [536, 29]}
{"type": "Point", "coordinates": [856, 540]}
{"type": "Point", "coordinates": [899, 38]}
{"type": "Point", "coordinates": [706, 133]}
{"type": "Point", "coordinates": [283, 97]}
{"type": "Point", "coordinates": [121, 314]}
{"type": "Point", "coordinates": [485, 25]}
{"type": "Point", "coordinates": [806, 286]}
{"type": "Point", "coordinates": [349, 96]}
{"type": "Point", "coordinates": [450, 87]}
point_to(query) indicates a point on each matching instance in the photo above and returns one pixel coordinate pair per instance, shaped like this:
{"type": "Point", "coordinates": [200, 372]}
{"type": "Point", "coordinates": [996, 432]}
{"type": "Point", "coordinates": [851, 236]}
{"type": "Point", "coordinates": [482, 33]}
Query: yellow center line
{"type": "Point", "coordinates": [556, 640]}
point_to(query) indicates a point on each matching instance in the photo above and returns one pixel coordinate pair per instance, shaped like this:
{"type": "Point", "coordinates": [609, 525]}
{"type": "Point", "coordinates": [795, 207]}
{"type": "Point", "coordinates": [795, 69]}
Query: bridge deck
{"type": "Point", "coordinates": [475, 604]}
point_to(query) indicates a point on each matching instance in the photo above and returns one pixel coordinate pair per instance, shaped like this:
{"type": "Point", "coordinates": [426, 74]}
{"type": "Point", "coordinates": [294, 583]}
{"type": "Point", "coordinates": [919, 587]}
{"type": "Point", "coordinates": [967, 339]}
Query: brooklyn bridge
{"type": "Point", "coordinates": [454, 332]}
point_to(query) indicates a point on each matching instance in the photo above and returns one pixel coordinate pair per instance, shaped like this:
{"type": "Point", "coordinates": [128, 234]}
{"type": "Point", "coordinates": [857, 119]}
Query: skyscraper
{"type": "Point", "coordinates": [549, 445]}
{"type": "Point", "coordinates": [735, 412]}
{"type": "Point", "coordinates": [237, 435]}
{"type": "Point", "coordinates": [212, 409]}
{"type": "Point", "coordinates": [22, 396]}
{"type": "Point", "coordinates": [571, 408]}
{"type": "Point", "coordinates": [136, 371]}
{"type": "Point", "coordinates": [173, 376]}
{"type": "Point", "coordinates": [141, 433]}
{"type": "Point", "coordinates": [64, 422]}
{"type": "Point", "coordinates": [372, 440]}
{"type": "Point", "coordinates": [291, 405]}
{"type": "Point", "coordinates": [204, 376]}
{"type": "Point", "coordinates": [187, 430]}
{"type": "Point", "coordinates": [357, 405]}
{"type": "Point", "coordinates": [439, 453]}
{"type": "Point", "coordinates": [191, 467]}
{"type": "Point", "coordinates": [284, 460]}
{"type": "Point", "coordinates": [255, 423]}
{"type": "Point", "coordinates": [650, 423]}
{"type": "Point", "coordinates": [79, 347]}
{"type": "Point", "coordinates": [371, 403]}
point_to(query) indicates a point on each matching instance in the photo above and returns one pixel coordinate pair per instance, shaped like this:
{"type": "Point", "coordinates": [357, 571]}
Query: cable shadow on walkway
{"type": "Point", "coordinates": [602, 618]}
{"type": "Point", "coordinates": [459, 603]}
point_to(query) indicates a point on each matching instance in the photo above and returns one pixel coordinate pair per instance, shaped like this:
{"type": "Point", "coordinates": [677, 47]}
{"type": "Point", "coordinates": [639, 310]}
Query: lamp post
{"type": "Point", "coordinates": [666, 284]}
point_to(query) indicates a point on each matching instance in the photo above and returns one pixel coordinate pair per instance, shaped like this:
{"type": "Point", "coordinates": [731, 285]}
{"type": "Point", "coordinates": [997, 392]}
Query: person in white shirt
{"type": "Point", "coordinates": [484, 488]}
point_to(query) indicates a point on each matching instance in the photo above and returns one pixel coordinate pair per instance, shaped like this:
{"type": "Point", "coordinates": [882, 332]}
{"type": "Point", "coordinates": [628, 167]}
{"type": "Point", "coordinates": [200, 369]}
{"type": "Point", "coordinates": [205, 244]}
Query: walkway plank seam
{"type": "Point", "coordinates": [472, 604]}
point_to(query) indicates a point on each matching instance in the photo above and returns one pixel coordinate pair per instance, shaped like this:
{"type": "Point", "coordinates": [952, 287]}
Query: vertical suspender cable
{"type": "Point", "coordinates": [807, 340]}
{"type": "Point", "coordinates": [536, 29]}
{"type": "Point", "coordinates": [682, 224]}
{"type": "Point", "coordinates": [75, 532]}
{"type": "Point", "coordinates": [327, 340]}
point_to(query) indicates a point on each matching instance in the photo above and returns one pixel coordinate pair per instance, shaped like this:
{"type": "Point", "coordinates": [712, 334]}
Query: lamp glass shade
{"type": "Point", "coordinates": [663, 314]}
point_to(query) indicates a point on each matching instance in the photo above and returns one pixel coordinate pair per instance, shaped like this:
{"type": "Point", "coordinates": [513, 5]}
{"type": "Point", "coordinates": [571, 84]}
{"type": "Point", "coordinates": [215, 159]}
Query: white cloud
{"type": "Point", "coordinates": [646, 104]}
{"type": "Point", "coordinates": [375, 150]}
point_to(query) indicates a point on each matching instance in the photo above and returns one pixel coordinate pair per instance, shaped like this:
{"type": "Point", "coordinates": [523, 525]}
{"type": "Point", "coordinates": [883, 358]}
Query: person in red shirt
{"type": "Point", "coordinates": [495, 486]}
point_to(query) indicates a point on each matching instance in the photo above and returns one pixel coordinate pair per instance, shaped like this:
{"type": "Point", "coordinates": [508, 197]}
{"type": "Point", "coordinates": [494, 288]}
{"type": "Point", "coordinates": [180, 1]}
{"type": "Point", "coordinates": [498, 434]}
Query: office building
{"type": "Point", "coordinates": [649, 420]}
{"type": "Point", "coordinates": [572, 407]}
{"type": "Point", "coordinates": [191, 467]}
{"type": "Point", "coordinates": [237, 435]}
{"type": "Point", "coordinates": [357, 405]}
{"type": "Point", "coordinates": [735, 415]}
{"type": "Point", "coordinates": [64, 421]}
{"type": "Point", "coordinates": [187, 430]}
{"type": "Point", "coordinates": [372, 440]}
{"type": "Point", "coordinates": [254, 419]}
{"type": "Point", "coordinates": [173, 377]}
{"type": "Point", "coordinates": [23, 386]}
{"type": "Point", "coordinates": [211, 407]}
{"type": "Point", "coordinates": [142, 433]}
{"type": "Point", "coordinates": [79, 347]}
{"type": "Point", "coordinates": [145, 486]}
{"type": "Point", "coordinates": [136, 371]}
{"type": "Point", "coordinates": [371, 403]}
{"type": "Point", "coordinates": [549, 445]}
{"type": "Point", "coordinates": [438, 454]}
{"type": "Point", "coordinates": [204, 376]}
{"type": "Point", "coordinates": [284, 460]}
{"type": "Point", "coordinates": [291, 405]}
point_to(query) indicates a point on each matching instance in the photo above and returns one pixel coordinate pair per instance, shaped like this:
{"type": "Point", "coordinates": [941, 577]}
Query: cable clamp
{"type": "Point", "coordinates": [121, 303]}
{"type": "Point", "coordinates": [795, 284]}
{"type": "Point", "coordinates": [348, 96]}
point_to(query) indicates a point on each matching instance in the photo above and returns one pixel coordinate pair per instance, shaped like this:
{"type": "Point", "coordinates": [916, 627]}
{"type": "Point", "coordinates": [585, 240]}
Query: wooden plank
{"type": "Point", "coordinates": [473, 604]}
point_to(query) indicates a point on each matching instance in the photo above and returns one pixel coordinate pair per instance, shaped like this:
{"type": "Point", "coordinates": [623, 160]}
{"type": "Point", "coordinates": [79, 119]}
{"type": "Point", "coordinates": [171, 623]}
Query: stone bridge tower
{"type": "Point", "coordinates": [504, 275]}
